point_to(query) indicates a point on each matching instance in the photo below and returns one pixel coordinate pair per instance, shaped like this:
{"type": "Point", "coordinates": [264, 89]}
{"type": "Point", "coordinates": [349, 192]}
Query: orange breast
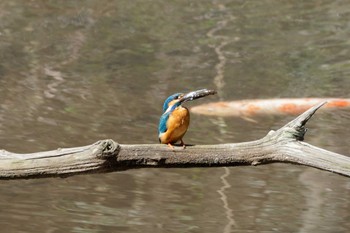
{"type": "Point", "coordinates": [177, 125]}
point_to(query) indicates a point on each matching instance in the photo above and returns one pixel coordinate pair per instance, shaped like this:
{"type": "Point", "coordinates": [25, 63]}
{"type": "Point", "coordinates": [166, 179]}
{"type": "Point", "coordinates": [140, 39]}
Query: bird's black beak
{"type": "Point", "coordinates": [196, 95]}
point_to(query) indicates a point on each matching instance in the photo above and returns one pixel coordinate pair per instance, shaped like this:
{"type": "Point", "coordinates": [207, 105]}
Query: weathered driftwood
{"type": "Point", "coordinates": [283, 145]}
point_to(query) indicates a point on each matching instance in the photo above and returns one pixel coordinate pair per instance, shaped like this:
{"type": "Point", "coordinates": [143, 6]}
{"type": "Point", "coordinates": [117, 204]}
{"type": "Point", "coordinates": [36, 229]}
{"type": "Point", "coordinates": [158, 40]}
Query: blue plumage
{"type": "Point", "coordinates": [162, 122]}
{"type": "Point", "coordinates": [164, 118]}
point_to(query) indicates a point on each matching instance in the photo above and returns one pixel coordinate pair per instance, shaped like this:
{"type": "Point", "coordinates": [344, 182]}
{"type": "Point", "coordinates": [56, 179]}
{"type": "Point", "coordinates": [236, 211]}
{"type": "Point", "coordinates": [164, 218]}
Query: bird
{"type": "Point", "coordinates": [175, 120]}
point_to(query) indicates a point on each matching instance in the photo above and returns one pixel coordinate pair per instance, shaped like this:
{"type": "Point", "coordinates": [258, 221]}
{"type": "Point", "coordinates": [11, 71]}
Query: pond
{"type": "Point", "coordinates": [75, 72]}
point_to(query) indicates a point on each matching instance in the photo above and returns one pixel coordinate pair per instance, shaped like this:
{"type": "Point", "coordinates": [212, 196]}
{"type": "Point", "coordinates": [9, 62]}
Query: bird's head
{"type": "Point", "coordinates": [172, 100]}
{"type": "Point", "coordinates": [177, 99]}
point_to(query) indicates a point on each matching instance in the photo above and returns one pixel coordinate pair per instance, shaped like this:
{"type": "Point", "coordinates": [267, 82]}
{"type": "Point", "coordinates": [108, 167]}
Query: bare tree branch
{"type": "Point", "coordinates": [284, 145]}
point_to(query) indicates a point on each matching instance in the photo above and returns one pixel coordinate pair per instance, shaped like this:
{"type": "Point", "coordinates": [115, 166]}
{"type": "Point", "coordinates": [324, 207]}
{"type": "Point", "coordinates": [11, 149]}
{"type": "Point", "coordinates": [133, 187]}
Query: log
{"type": "Point", "coordinates": [284, 145]}
{"type": "Point", "coordinates": [267, 107]}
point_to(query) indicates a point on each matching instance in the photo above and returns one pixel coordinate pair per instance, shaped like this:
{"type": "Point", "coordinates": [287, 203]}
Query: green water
{"type": "Point", "coordinates": [74, 72]}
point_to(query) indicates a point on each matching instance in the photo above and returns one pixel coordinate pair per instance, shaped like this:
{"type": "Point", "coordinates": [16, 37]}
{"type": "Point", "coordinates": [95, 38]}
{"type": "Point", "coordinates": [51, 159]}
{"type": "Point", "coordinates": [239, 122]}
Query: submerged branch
{"type": "Point", "coordinates": [283, 145]}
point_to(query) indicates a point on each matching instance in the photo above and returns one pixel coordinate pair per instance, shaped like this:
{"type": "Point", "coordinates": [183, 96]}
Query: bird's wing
{"type": "Point", "coordinates": [162, 122]}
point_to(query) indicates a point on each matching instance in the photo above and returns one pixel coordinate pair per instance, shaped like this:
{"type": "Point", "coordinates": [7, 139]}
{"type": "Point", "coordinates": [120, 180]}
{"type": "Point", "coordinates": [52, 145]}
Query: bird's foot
{"type": "Point", "coordinates": [171, 146]}
{"type": "Point", "coordinates": [183, 144]}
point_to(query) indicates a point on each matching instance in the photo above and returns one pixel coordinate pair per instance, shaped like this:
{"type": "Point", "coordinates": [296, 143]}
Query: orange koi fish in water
{"type": "Point", "coordinates": [261, 107]}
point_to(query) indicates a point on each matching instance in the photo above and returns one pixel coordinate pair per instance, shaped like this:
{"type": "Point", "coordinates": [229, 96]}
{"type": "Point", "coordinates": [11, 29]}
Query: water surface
{"type": "Point", "coordinates": [72, 73]}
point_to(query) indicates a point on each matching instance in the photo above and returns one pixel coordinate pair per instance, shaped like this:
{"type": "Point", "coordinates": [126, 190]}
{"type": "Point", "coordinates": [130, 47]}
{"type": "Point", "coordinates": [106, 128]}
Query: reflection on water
{"type": "Point", "coordinates": [265, 198]}
{"type": "Point", "coordinates": [72, 73]}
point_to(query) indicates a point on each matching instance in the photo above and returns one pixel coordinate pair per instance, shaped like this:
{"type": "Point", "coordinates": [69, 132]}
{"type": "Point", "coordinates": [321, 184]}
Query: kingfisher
{"type": "Point", "coordinates": [175, 120]}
